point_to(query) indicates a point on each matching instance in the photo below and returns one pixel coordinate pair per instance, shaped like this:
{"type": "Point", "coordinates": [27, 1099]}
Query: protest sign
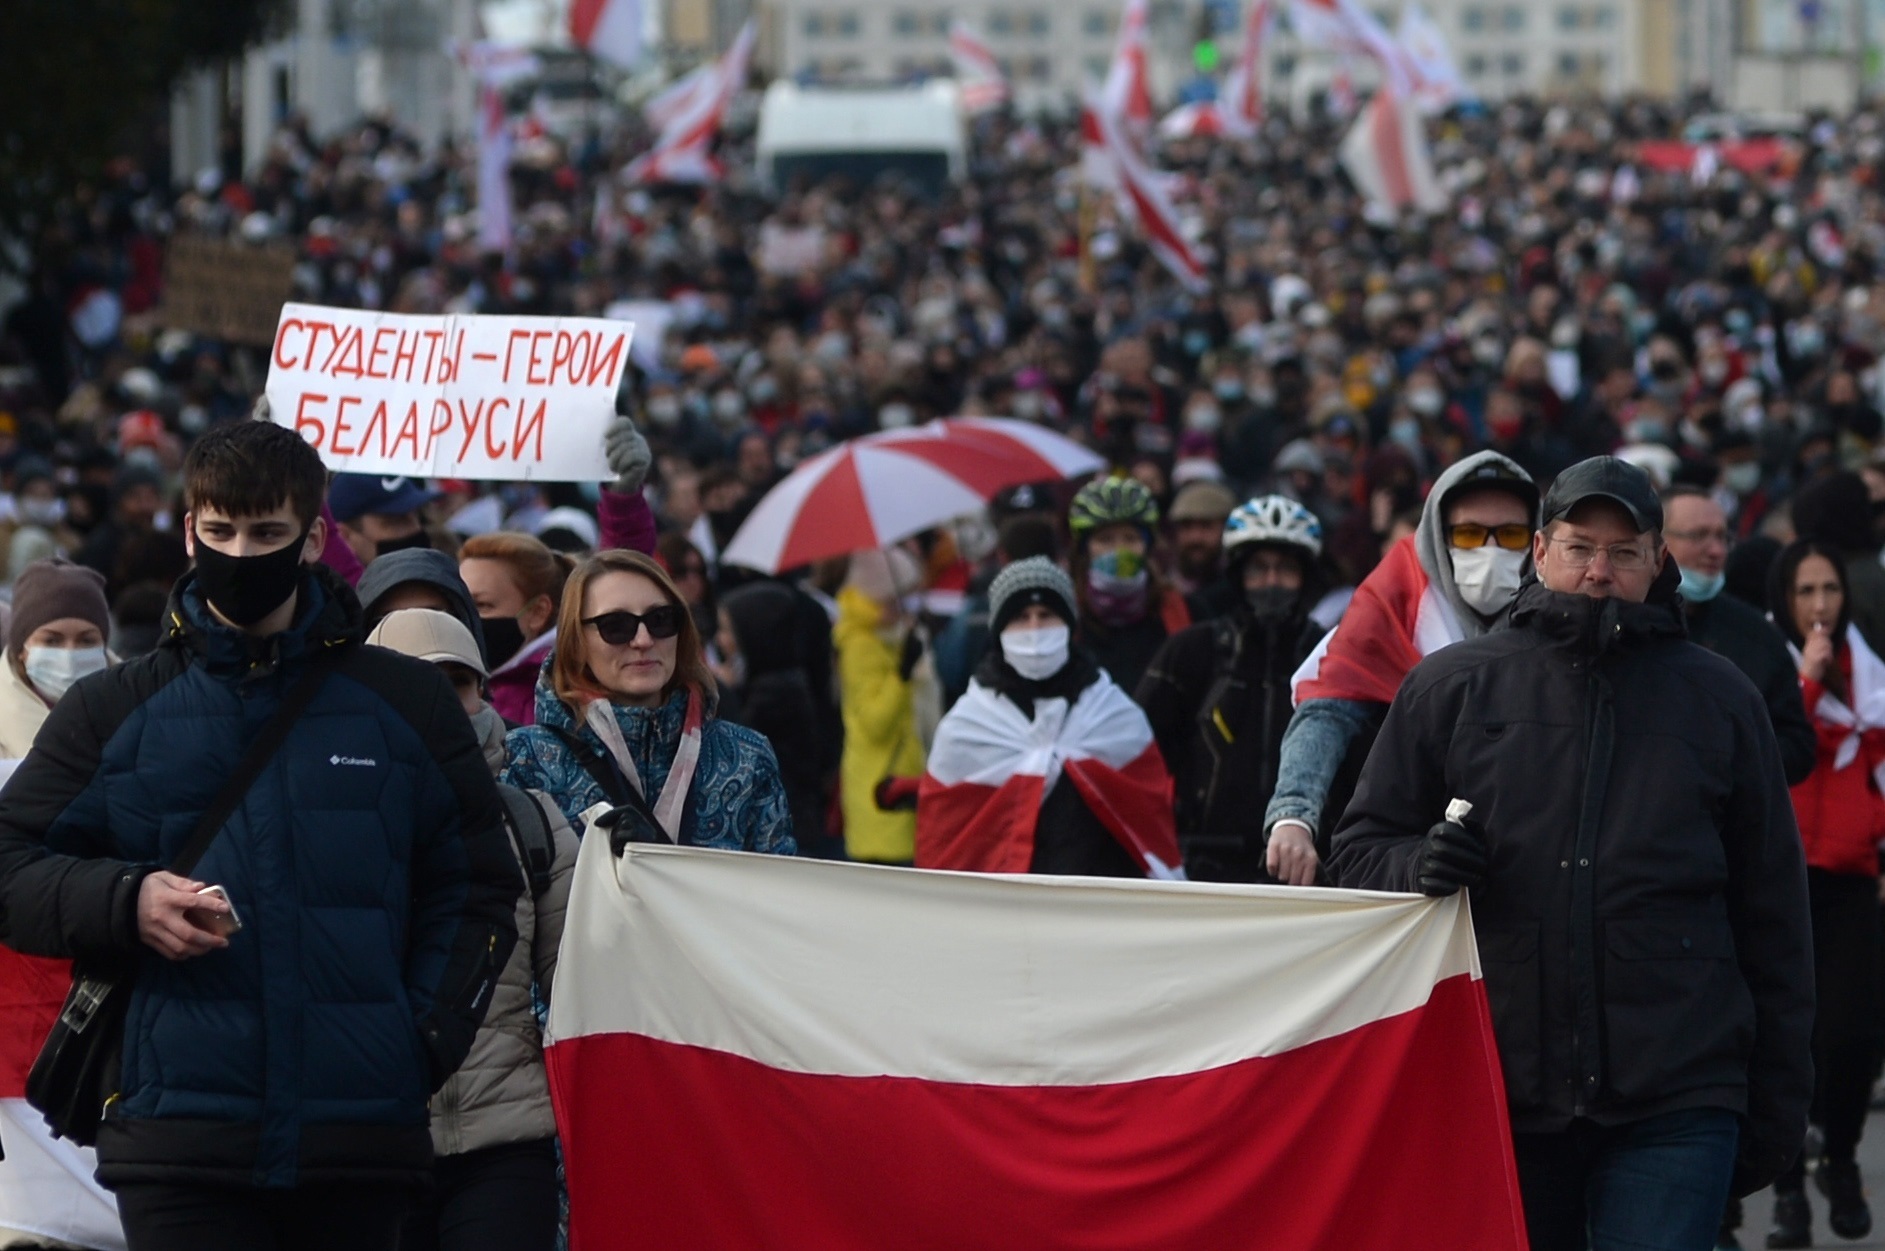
{"type": "Point", "coordinates": [510, 398]}
{"type": "Point", "coordinates": [223, 290]}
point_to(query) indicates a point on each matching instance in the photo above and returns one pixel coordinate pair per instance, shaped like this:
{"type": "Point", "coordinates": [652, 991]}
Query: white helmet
{"type": "Point", "coordinates": [1273, 519]}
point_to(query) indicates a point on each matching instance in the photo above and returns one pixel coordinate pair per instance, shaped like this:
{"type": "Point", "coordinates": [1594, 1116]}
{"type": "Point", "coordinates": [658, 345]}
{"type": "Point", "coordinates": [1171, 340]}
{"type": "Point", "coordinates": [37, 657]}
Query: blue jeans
{"type": "Point", "coordinates": [1652, 1185]}
{"type": "Point", "coordinates": [1314, 746]}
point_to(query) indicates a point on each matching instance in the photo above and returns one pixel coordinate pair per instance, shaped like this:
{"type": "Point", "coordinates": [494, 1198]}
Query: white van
{"type": "Point", "coordinates": [862, 132]}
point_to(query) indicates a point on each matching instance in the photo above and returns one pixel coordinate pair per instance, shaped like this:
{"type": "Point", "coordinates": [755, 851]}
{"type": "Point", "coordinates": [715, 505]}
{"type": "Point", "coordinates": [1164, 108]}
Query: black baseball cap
{"type": "Point", "coordinates": [1608, 478]}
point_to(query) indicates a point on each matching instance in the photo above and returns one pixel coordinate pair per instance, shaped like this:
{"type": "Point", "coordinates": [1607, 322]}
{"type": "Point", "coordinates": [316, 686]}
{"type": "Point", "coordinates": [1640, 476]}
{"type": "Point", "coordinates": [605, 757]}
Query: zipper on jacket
{"type": "Point", "coordinates": [1586, 1060]}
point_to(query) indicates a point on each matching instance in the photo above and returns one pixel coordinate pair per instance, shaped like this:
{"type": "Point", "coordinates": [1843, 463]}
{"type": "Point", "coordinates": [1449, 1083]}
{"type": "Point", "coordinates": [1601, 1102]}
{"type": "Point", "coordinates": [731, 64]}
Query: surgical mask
{"type": "Point", "coordinates": [1229, 390]}
{"type": "Point", "coordinates": [1487, 577]}
{"type": "Point", "coordinates": [41, 512]}
{"type": "Point", "coordinates": [895, 416]}
{"type": "Point", "coordinates": [1405, 433]}
{"type": "Point", "coordinates": [245, 589]}
{"type": "Point", "coordinates": [1263, 397]}
{"type": "Point", "coordinates": [53, 670]}
{"type": "Point", "coordinates": [1742, 478]}
{"type": "Point", "coordinates": [1699, 588]}
{"type": "Point", "coordinates": [1036, 654]}
{"type": "Point", "coordinates": [1204, 418]}
{"type": "Point", "coordinates": [664, 410]}
{"type": "Point", "coordinates": [1426, 401]}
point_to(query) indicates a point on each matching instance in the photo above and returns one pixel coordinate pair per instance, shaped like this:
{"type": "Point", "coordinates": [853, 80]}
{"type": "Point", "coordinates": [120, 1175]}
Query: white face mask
{"type": "Point", "coordinates": [1487, 577]}
{"type": "Point", "coordinates": [1036, 654]}
{"type": "Point", "coordinates": [53, 670]}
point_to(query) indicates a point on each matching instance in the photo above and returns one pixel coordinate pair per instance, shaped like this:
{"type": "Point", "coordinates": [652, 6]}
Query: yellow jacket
{"type": "Point", "coordinates": [880, 738]}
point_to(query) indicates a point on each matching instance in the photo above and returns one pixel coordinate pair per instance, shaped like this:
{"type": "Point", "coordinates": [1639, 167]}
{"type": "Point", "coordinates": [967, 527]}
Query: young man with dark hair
{"type": "Point", "coordinates": [275, 1074]}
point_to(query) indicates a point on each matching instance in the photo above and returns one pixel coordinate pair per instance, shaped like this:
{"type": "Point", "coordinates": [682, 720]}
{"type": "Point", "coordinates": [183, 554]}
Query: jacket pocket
{"type": "Point", "coordinates": [1515, 993]}
{"type": "Point", "coordinates": [1676, 1012]}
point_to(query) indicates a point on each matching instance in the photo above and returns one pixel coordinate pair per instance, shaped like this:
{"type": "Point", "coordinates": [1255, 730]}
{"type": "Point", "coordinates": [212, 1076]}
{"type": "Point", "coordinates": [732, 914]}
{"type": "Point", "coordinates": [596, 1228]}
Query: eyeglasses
{"type": "Point", "coordinates": [1515, 537]}
{"type": "Point", "coordinates": [619, 627]}
{"type": "Point", "coordinates": [1624, 557]}
{"type": "Point", "coordinates": [1701, 536]}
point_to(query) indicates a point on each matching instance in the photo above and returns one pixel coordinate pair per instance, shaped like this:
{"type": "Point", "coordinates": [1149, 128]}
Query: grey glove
{"type": "Point", "coordinates": [628, 455]}
{"type": "Point", "coordinates": [262, 411]}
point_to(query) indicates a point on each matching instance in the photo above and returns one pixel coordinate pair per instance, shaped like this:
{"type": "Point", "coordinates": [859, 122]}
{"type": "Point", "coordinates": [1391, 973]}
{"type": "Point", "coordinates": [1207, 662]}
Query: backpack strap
{"type": "Point", "coordinates": [531, 825]}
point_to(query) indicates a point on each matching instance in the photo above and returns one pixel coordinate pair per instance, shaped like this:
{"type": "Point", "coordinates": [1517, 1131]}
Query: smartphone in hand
{"type": "Point", "coordinates": [221, 924]}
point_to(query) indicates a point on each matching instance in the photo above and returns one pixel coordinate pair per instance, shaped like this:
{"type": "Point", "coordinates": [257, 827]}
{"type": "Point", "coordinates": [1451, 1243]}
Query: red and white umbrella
{"type": "Point", "coordinates": [1189, 121]}
{"type": "Point", "coordinates": [877, 490]}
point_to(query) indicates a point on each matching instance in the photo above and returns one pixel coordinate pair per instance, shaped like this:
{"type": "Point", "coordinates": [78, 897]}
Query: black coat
{"type": "Point", "coordinates": [1730, 628]}
{"type": "Point", "coordinates": [1643, 927]}
{"type": "Point", "coordinates": [1218, 698]}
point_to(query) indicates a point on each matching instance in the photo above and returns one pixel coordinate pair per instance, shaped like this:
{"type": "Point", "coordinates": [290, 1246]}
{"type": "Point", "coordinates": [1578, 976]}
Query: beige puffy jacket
{"type": "Point", "coordinates": [501, 1093]}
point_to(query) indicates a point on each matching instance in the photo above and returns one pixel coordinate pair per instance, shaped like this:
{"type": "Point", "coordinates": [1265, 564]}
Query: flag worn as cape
{"type": "Point", "coordinates": [1395, 618]}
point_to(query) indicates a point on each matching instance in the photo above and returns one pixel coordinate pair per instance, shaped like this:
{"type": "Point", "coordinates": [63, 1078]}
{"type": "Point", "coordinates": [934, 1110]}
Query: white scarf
{"type": "Point", "coordinates": [600, 717]}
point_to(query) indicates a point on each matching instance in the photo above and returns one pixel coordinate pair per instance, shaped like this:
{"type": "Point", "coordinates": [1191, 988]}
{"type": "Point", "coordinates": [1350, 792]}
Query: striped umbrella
{"type": "Point", "coordinates": [874, 491]}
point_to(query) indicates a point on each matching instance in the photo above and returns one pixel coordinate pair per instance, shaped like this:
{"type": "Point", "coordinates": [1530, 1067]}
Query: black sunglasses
{"type": "Point", "coordinates": [619, 627]}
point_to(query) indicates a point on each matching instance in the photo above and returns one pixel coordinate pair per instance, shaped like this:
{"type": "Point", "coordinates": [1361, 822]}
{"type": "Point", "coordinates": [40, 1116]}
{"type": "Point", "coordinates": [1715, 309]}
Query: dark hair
{"type": "Point", "coordinates": [249, 468]}
{"type": "Point", "coordinates": [1028, 534]}
{"type": "Point", "coordinates": [1780, 587]}
{"type": "Point", "coordinates": [1681, 491]}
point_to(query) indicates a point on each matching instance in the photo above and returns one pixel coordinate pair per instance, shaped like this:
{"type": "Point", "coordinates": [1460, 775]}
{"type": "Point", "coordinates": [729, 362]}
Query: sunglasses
{"type": "Point", "coordinates": [618, 628]}
{"type": "Point", "coordinates": [1513, 538]}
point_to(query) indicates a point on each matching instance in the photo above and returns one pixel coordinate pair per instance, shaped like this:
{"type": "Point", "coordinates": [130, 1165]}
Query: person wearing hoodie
{"type": "Point", "coordinates": [764, 663]}
{"type": "Point", "coordinates": [1611, 795]}
{"type": "Point", "coordinates": [1455, 578]}
{"type": "Point", "coordinates": [1836, 511]}
{"type": "Point", "coordinates": [419, 578]}
{"type": "Point", "coordinates": [1217, 694]}
{"type": "Point", "coordinates": [493, 1132]}
{"type": "Point", "coordinates": [878, 702]}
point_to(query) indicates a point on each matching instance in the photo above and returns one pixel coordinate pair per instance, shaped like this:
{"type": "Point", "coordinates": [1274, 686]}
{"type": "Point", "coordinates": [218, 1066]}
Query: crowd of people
{"type": "Point", "coordinates": [1371, 443]}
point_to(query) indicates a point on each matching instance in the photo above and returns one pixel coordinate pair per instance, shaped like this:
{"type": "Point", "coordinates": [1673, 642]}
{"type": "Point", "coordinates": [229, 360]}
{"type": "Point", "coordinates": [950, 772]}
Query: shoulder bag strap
{"type": "Point", "coordinates": [645, 830]}
{"type": "Point", "coordinates": [260, 751]}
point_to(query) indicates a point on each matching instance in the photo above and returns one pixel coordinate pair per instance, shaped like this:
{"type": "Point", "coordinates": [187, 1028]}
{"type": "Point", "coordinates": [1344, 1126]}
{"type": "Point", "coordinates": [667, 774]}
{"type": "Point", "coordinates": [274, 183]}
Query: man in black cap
{"type": "Point", "coordinates": [1638, 888]}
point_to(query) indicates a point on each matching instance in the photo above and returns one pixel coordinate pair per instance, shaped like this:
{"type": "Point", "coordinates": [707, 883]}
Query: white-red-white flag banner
{"type": "Point", "coordinates": [660, 109]}
{"type": "Point", "coordinates": [1347, 26]}
{"type": "Point", "coordinates": [1241, 109]}
{"type": "Point", "coordinates": [1128, 90]}
{"type": "Point", "coordinates": [1386, 154]}
{"type": "Point", "coordinates": [1438, 83]}
{"type": "Point", "coordinates": [756, 1051]}
{"type": "Point", "coordinates": [1141, 195]}
{"type": "Point", "coordinates": [980, 84]}
{"type": "Point", "coordinates": [609, 30]}
{"type": "Point", "coordinates": [683, 152]}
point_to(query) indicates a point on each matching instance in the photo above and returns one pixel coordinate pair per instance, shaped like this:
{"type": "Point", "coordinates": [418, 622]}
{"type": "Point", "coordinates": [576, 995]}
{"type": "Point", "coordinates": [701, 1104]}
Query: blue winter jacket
{"type": "Point", "coordinates": [367, 861]}
{"type": "Point", "coordinates": [737, 799]}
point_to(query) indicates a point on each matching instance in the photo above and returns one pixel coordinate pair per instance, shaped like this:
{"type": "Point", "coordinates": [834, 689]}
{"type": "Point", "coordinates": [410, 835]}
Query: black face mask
{"type": "Point", "coordinates": [503, 639]}
{"type": "Point", "coordinates": [1272, 605]}
{"type": "Point", "coordinates": [245, 589]}
{"type": "Point", "coordinates": [418, 538]}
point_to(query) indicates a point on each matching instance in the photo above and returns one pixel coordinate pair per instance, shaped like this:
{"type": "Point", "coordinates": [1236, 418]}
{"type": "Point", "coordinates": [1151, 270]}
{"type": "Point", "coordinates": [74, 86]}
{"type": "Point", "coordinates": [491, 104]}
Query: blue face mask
{"type": "Point", "coordinates": [1699, 588]}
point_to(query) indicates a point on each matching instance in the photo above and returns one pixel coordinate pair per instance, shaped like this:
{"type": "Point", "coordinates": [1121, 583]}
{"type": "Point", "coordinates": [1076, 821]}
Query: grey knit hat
{"type": "Point", "coordinates": [1036, 580]}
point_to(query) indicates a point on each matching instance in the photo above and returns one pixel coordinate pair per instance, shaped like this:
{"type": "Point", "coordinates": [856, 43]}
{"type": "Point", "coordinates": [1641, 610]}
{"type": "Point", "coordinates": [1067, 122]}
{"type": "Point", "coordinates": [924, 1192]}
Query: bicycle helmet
{"type": "Point", "coordinates": [1112, 502]}
{"type": "Point", "coordinates": [1274, 519]}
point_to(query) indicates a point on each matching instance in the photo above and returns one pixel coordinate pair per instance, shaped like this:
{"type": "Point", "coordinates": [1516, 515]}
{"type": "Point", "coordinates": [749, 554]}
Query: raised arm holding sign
{"type": "Point", "coordinates": [486, 397]}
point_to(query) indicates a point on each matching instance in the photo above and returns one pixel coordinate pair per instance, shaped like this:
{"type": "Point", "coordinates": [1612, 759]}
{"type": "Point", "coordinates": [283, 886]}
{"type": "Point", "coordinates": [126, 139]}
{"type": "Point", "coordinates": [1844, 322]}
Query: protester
{"type": "Point", "coordinates": [135, 501]}
{"type": "Point", "coordinates": [874, 642]}
{"type": "Point", "coordinates": [1045, 765]}
{"type": "Point", "coordinates": [516, 582]}
{"type": "Point", "coordinates": [1641, 914]}
{"type": "Point", "coordinates": [1696, 532]}
{"type": "Point", "coordinates": [40, 533]}
{"type": "Point", "coordinates": [418, 578]}
{"type": "Point", "coordinates": [1842, 819]}
{"type": "Point", "coordinates": [1197, 519]}
{"type": "Point", "coordinates": [378, 516]}
{"type": "Point", "coordinates": [225, 1131]}
{"type": "Point", "coordinates": [495, 1184]}
{"type": "Point", "coordinates": [55, 635]}
{"type": "Point", "coordinates": [1218, 694]}
{"type": "Point", "coordinates": [959, 646]}
{"type": "Point", "coordinates": [1836, 511]}
{"type": "Point", "coordinates": [1455, 578]}
{"type": "Point", "coordinates": [1126, 610]}
{"type": "Point", "coordinates": [625, 716]}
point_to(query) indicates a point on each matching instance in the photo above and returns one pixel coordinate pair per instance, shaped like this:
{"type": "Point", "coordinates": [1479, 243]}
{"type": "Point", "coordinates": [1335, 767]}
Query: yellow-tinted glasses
{"type": "Point", "coordinates": [1515, 537]}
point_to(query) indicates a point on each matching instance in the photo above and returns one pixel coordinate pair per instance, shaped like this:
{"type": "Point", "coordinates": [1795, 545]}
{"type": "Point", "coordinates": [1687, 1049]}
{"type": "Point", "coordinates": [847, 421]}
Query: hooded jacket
{"type": "Point", "coordinates": [1430, 537]}
{"type": "Point", "coordinates": [420, 564]}
{"type": "Point", "coordinates": [1643, 925]}
{"type": "Point", "coordinates": [776, 697]}
{"type": "Point", "coordinates": [367, 859]}
{"type": "Point", "coordinates": [880, 735]}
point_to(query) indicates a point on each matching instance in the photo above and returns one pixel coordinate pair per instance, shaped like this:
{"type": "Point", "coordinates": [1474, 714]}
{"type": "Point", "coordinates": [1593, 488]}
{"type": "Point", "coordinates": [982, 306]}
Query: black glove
{"type": "Point", "coordinates": [1757, 1164]}
{"type": "Point", "coordinates": [1454, 856]}
{"type": "Point", "coordinates": [912, 652]}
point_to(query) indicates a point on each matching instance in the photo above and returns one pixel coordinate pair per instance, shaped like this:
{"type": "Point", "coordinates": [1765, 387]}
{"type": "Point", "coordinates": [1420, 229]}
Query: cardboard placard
{"type": "Point", "coordinates": [225, 290]}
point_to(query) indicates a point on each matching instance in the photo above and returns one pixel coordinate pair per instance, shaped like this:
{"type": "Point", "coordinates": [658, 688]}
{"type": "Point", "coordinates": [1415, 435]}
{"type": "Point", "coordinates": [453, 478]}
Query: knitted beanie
{"type": "Point", "coordinates": [51, 590]}
{"type": "Point", "coordinates": [1036, 580]}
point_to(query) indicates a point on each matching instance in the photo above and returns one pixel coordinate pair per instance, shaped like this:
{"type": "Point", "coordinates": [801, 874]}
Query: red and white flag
{"type": "Point", "coordinates": [494, 67]}
{"type": "Point", "coordinates": [684, 150]}
{"type": "Point", "coordinates": [991, 768]}
{"type": "Point", "coordinates": [1396, 618]}
{"type": "Point", "coordinates": [1438, 84]}
{"type": "Point", "coordinates": [1128, 92]}
{"type": "Point", "coordinates": [1386, 155]}
{"type": "Point", "coordinates": [1096, 163]}
{"type": "Point", "coordinates": [1201, 118]}
{"type": "Point", "coordinates": [660, 109]}
{"type": "Point", "coordinates": [762, 1051]}
{"type": "Point", "coordinates": [609, 30]}
{"type": "Point", "coordinates": [1141, 196]}
{"type": "Point", "coordinates": [1241, 109]}
{"type": "Point", "coordinates": [980, 84]}
{"type": "Point", "coordinates": [1347, 26]}
{"type": "Point", "coordinates": [46, 1186]}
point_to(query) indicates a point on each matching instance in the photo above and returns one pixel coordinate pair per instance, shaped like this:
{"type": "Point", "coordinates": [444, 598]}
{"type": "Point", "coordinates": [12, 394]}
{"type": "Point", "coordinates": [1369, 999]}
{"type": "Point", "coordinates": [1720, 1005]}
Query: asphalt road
{"type": "Point", "coordinates": [1871, 1162]}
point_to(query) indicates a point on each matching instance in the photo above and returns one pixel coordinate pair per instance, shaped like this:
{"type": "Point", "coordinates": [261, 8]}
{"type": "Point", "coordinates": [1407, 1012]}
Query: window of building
{"type": "Point", "coordinates": [1285, 65]}
{"type": "Point", "coordinates": [1039, 23]}
{"type": "Point", "coordinates": [1570, 64]}
{"type": "Point", "coordinates": [1513, 64]}
{"type": "Point", "coordinates": [848, 25]}
{"type": "Point", "coordinates": [1472, 18]}
{"type": "Point", "coordinates": [1570, 17]}
{"type": "Point", "coordinates": [1001, 22]}
{"type": "Point", "coordinates": [1040, 69]}
{"type": "Point", "coordinates": [814, 25]}
{"type": "Point", "coordinates": [1603, 17]}
{"type": "Point", "coordinates": [907, 24]}
{"type": "Point", "coordinates": [1097, 22]}
{"type": "Point", "coordinates": [1096, 67]}
{"type": "Point", "coordinates": [1515, 18]}
{"type": "Point", "coordinates": [1476, 66]}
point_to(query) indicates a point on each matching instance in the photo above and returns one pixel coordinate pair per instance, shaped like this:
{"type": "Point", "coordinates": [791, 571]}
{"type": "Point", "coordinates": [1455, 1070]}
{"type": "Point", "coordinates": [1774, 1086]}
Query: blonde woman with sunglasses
{"type": "Point", "coordinates": [626, 717]}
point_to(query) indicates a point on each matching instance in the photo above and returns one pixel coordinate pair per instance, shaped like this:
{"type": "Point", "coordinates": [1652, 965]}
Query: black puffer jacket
{"type": "Point", "coordinates": [1644, 926]}
{"type": "Point", "coordinates": [1218, 698]}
